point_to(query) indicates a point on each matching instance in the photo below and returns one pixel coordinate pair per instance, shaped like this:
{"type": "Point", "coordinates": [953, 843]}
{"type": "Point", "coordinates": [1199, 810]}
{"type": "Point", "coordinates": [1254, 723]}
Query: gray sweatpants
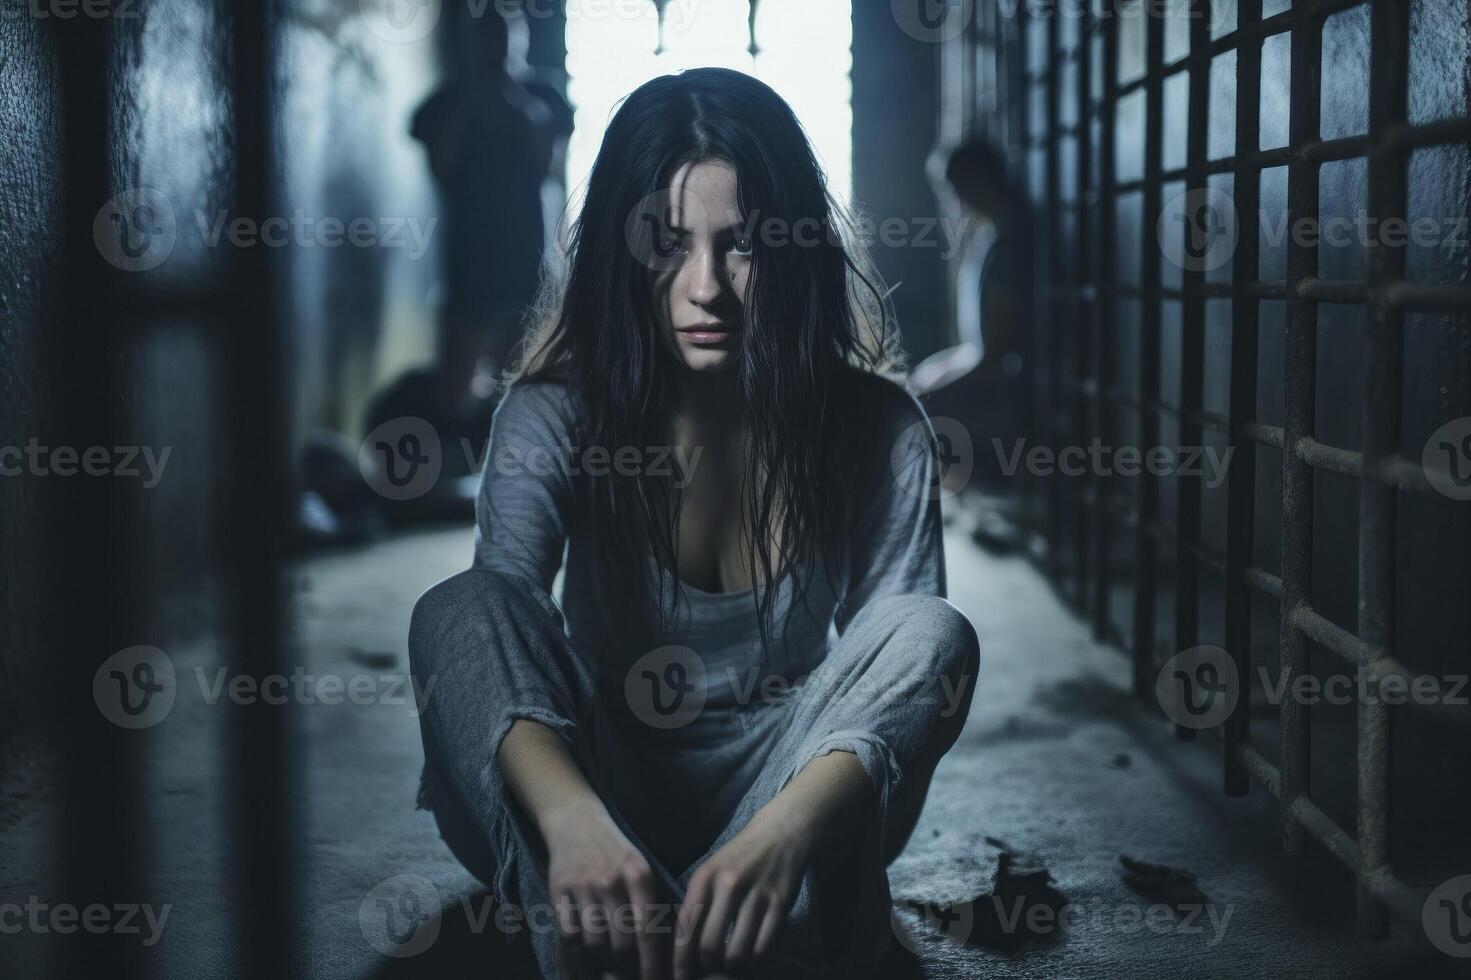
{"type": "Point", "coordinates": [894, 690]}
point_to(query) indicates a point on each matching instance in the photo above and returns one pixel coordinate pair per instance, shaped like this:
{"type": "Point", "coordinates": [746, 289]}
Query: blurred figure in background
{"type": "Point", "coordinates": [491, 141]}
{"type": "Point", "coordinates": [489, 145]}
{"type": "Point", "coordinates": [979, 382]}
{"type": "Point", "coordinates": [551, 89]}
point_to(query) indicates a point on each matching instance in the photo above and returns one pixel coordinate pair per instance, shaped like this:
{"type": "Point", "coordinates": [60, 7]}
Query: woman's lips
{"type": "Point", "coordinates": [707, 335]}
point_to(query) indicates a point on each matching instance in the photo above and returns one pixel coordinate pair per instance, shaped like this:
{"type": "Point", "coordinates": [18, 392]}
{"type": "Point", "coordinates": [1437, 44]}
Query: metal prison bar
{"type": "Point", "coordinates": [1081, 398]}
{"type": "Point", "coordinates": [104, 811]}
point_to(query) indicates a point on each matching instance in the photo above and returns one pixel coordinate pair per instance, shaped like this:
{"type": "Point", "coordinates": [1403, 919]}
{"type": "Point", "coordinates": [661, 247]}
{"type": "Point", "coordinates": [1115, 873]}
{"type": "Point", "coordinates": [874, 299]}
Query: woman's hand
{"type": "Point", "coordinates": [609, 910]}
{"type": "Point", "coordinates": [742, 892]}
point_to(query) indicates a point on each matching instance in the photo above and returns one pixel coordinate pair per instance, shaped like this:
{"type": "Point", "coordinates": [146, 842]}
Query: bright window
{"type": "Point", "coordinates": [804, 53]}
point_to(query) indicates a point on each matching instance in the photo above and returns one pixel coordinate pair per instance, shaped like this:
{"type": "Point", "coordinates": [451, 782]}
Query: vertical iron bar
{"type": "Point", "coordinates": [1019, 142]}
{"type": "Point", "coordinates": [1192, 347]}
{"type": "Point", "coordinates": [1301, 388]}
{"type": "Point", "coordinates": [1056, 389]}
{"type": "Point", "coordinates": [1384, 357]}
{"type": "Point", "coordinates": [95, 608]}
{"type": "Point", "coordinates": [1084, 308]}
{"type": "Point", "coordinates": [1245, 313]}
{"type": "Point", "coordinates": [255, 504]}
{"type": "Point", "coordinates": [1106, 298]}
{"type": "Point", "coordinates": [1150, 309]}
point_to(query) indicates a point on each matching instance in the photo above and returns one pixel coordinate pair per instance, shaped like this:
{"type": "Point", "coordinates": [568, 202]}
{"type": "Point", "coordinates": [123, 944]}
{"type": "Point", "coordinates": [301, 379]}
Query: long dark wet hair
{"type": "Point", "coordinates": [814, 312]}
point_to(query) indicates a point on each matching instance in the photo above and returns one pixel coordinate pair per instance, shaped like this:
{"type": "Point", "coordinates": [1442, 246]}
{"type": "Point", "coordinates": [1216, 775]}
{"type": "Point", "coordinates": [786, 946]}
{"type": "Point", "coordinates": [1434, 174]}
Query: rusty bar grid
{"type": "Point", "coordinates": [1381, 469]}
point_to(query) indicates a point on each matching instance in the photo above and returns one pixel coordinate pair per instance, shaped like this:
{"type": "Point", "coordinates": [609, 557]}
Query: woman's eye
{"type": "Point", "coordinates": [742, 246]}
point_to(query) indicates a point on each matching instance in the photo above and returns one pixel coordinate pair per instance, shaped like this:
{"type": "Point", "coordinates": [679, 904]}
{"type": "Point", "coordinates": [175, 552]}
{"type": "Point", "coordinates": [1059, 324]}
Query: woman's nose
{"type": "Point", "coordinates": [707, 278]}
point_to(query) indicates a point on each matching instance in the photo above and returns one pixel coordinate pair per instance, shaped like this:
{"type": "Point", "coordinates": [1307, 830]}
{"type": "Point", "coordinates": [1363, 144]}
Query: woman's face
{"type": "Point", "coordinates": [701, 294]}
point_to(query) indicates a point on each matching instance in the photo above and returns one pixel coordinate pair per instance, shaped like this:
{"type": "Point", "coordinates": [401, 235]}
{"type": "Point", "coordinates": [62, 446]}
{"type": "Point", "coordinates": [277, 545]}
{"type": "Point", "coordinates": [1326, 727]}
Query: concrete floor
{"type": "Point", "coordinates": [1057, 763]}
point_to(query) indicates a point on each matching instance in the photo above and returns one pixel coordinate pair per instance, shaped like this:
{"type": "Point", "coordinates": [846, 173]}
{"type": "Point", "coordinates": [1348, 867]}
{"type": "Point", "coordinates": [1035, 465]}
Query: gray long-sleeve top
{"type": "Point", "coordinates": [525, 520]}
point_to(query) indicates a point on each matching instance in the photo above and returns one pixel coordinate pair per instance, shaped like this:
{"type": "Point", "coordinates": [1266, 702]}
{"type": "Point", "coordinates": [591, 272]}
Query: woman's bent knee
{"type": "Point", "coordinates": [468, 603]}
{"type": "Point", "coordinates": [934, 625]}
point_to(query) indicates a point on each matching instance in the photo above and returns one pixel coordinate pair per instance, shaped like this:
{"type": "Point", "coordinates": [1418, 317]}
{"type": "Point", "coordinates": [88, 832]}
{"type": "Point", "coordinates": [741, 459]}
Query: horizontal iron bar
{"type": "Point", "coordinates": [1262, 29]}
{"type": "Point", "coordinates": [1208, 420]}
{"type": "Point", "coordinates": [1260, 432]}
{"type": "Point", "coordinates": [1264, 581]}
{"type": "Point", "coordinates": [1336, 639]}
{"type": "Point", "coordinates": [1260, 767]}
{"type": "Point", "coordinates": [1400, 139]}
{"type": "Point", "coordinates": [1401, 293]}
{"type": "Point", "coordinates": [1332, 290]}
{"type": "Point", "coordinates": [1396, 470]}
{"type": "Point", "coordinates": [1407, 900]}
{"type": "Point", "coordinates": [1207, 556]}
{"type": "Point", "coordinates": [1329, 151]}
{"type": "Point", "coordinates": [1408, 294]}
{"type": "Point", "coordinates": [1252, 289]}
{"type": "Point", "coordinates": [1329, 635]}
{"type": "Point", "coordinates": [1344, 462]}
